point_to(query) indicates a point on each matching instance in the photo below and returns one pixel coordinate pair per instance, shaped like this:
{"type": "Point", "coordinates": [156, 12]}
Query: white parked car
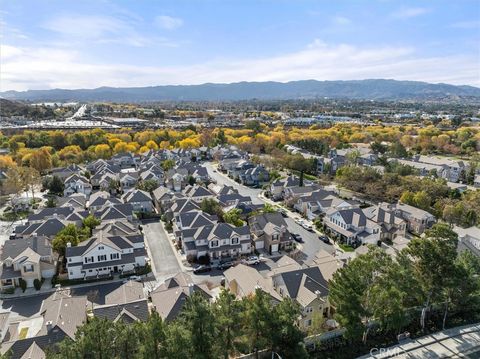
{"type": "Point", "coordinates": [252, 260]}
{"type": "Point", "coordinates": [307, 226]}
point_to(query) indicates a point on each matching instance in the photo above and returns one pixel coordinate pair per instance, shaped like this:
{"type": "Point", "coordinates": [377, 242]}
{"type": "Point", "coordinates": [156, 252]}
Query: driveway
{"type": "Point", "coordinates": [163, 259]}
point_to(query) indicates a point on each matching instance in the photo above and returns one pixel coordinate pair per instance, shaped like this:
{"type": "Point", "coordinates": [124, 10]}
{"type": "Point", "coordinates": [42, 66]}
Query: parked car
{"type": "Point", "coordinates": [252, 260]}
{"type": "Point", "coordinates": [283, 213]}
{"type": "Point", "coordinates": [299, 221]}
{"type": "Point", "coordinates": [135, 278]}
{"type": "Point", "coordinates": [202, 269]}
{"type": "Point", "coordinates": [324, 239]}
{"type": "Point", "coordinates": [298, 238]}
{"type": "Point", "coordinates": [307, 226]}
{"type": "Point", "coordinates": [225, 265]}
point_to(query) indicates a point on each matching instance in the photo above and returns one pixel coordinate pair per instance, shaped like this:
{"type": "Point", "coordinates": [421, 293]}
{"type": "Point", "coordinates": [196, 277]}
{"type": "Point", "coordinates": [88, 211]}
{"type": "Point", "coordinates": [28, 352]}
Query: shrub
{"type": "Point", "coordinates": [37, 284]}
{"type": "Point", "coordinates": [23, 284]}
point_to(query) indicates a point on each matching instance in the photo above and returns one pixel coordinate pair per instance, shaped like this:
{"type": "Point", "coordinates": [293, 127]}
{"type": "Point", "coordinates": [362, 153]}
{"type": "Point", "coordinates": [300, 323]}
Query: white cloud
{"type": "Point", "coordinates": [168, 22]}
{"type": "Point", "coordinates": [96, 28]}
{"type": "Point", "coordinates": [27, 68]}
{"type": "Point", "coordinates": [409, 12]}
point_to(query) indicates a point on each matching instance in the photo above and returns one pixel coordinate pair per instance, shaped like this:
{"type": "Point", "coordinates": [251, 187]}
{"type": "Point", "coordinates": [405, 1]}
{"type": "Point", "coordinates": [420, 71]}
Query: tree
{"type": "Point", "coordinates": [149, 185]}
{"type": "Point", "coordinates": [56, 186]}
{"type": "Point", "coordinates": [233, 217]}
{"type": "Point", "coordinates": [356, 291]}
{"type": "Point", "coordinates": [191, 180]}
{"type": "Point", "coordinates": [168, 164]}
{"type": "Point", "coordinates": [90, 222]}
{"type": "Point", "coordinates": [287, 337]}
{"type": "Point", "coordinates": [198, 318]}
{"type": "Point", "coordinates": [212, 207]}
{"type": "Point", "coordinates": [422, 200]}
{"type": "Point", "coordinates": [153, 338]}
{"type": "Point", "coordinates": [227, 311]}
{"type": "Point", "coordinates": [433, 275]}
{"type": "Point", "coordinates": [69, 234]}
{"type": "Point", "coordinates": [30, 178]}
{"type": "Point", "coordinates": [257, 321]}
{"type": "Point", "coordinates": [41, 160]}
{"type": "Point", "coordinates": [14, 183]}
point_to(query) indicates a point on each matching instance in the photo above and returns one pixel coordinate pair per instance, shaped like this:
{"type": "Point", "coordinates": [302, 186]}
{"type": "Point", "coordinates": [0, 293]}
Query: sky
{"type": "Point", "coordinates": [48, 44]}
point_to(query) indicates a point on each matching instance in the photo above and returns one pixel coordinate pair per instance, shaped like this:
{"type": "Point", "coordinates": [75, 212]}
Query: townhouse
{"type": "Point", "coordinates": [217, 241]}
{"type": "Point", "coordinates": [104, 255]}
{"type": "Point", "coordinates": [28, 259]}
{"type": "Point", "coordinates": [270, 232]}
{"type": "Point", "coordinates": [140, 201]}
{"type": "Point", "coordinates": [77, 183]}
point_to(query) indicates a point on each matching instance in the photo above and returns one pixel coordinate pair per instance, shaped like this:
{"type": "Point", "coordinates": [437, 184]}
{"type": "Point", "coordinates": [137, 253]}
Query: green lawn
{"type": "Point", "coordinates": [345, 247]}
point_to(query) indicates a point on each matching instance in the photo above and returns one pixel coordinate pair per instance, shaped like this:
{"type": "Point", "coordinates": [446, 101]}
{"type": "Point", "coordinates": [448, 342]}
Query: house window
{"type": "Point", "coordinates": [308, 310]}
{"type": "Point", "coordinates": [28, 268]}
{"type": "Point", "coordinates": [214, 243]}
{"type": "Point", "coordinates": [275, 237]}
{"type": "Point", "coordinates": [88, 259]}
{"type": "Point", "coordinates": [235, 240]}
{"type": "Point", "coordinates": [100, 248]}
{"type": "Point", "coordinates": [308, 322]}
{"type": "Point", "coordinates": [114, 256]}
{"type": "Point", "coordinates": [102, 257]}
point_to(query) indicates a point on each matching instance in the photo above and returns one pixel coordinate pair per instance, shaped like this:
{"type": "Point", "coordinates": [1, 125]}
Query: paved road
{"type": "Point", "coordinates": [311, 243]}
{"type": "Point", "coordinates": [223, 179]}
{"type": "Point", "coordinates": [164, 261]}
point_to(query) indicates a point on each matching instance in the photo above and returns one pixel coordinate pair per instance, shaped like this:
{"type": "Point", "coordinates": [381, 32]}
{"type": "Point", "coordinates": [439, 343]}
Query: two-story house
{"type": "Point", "coordinates": [217, 241]}
{"type": "Point", "coordinates": [104, 255]}
{"type": "Point", "coordinates": [270, 232]}
{"type": "Point", "coordinates": [141, 201]}
{"type": "Point", "coordinates": [77, 183]}
{"type": "Point", "coordinates": [352, 226]}
{"type": "Point", "coordinates": [28, 259]}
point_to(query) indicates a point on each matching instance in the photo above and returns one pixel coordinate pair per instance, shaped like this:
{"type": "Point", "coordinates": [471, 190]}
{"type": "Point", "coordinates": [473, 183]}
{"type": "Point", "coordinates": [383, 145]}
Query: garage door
{"type": "Point", "coordinates": [29, 282]}
{"type": "Point", "coordinates": [274, 248]}
{"type": "Point", "coordinates": [259, 245]}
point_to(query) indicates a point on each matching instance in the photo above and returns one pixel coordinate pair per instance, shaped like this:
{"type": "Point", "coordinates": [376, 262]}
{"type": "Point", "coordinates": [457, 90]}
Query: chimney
{"type": "Point", "coordinates": [34, 234]}
{"type": "Point", "coordinates": [49, 326]}
{"type": "Point", "coordinates": [55, 215]}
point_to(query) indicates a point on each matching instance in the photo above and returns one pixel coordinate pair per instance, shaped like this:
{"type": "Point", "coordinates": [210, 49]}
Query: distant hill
{"type": "Point", "coordinates": [307, 89]}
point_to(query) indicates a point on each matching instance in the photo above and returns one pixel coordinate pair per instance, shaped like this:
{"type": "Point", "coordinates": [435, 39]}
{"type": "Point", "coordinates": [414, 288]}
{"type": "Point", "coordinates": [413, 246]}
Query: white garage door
{"type": "Point", "coordinates": [259, 245]}
{"type": "Point", "coordinates": [274, 248]}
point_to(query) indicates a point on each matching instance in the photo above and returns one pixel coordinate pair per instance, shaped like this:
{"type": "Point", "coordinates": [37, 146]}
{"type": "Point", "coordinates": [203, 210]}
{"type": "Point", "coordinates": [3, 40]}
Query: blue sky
{"type": "Point", "coordinates": [86, 44]}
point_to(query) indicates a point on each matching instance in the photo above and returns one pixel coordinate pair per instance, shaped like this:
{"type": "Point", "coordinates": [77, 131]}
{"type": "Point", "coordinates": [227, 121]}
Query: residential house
{"type": "Point", "coordinates": [217, 241]}
{"type": "Point", "coordinates": [270, 232]}
{"type": "Point", "coordinates": [28, 259]}
{"type": "Point", "coordinates": [59, 318]}
{"type": "Point", "coordinates": [141, 201]}
{"type": "Point", "coordinates": [77, 184]}
{"type": "Point", "coordinates": [48, 228]}
{"type": "Point", "coordinates": [170, 297]}
{"type": "Point", "coordinates": [127, 303]}
{"type": "Point", "coordinates": [198, 193]}
{"type": "Point", "coordinates": [104, 255]}
{"type": "Point", "coordinates": [352, 226]}
{"type": "Point", "coordinates": [255, 176]}
{"type": "Point", "coordinates": [101, 199]}
{"type": "Point", "coordinates": [243, 281]}
{"type": "Point", "coordinates": [309, 288]}
{"type": "Point", "coordinates": [77, 201]}
{"type": "Point", "coordinates": [390, 221]}
{"type": "Point", "coordinates": [417, 219]}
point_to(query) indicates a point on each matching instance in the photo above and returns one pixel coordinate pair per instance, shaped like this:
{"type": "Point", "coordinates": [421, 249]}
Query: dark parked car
{"type": "Point", "coordinates": [225, 265]}
{"type": "Point", "coordinates": [324, 239]}
{"type": "Point", "coordinates": [202, 269]}
{"type": "Point", "coordinates": [297, 238]}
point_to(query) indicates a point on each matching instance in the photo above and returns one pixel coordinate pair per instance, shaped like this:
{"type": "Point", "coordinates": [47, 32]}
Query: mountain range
{"type": "Point", "coordinates": [374, 89]}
